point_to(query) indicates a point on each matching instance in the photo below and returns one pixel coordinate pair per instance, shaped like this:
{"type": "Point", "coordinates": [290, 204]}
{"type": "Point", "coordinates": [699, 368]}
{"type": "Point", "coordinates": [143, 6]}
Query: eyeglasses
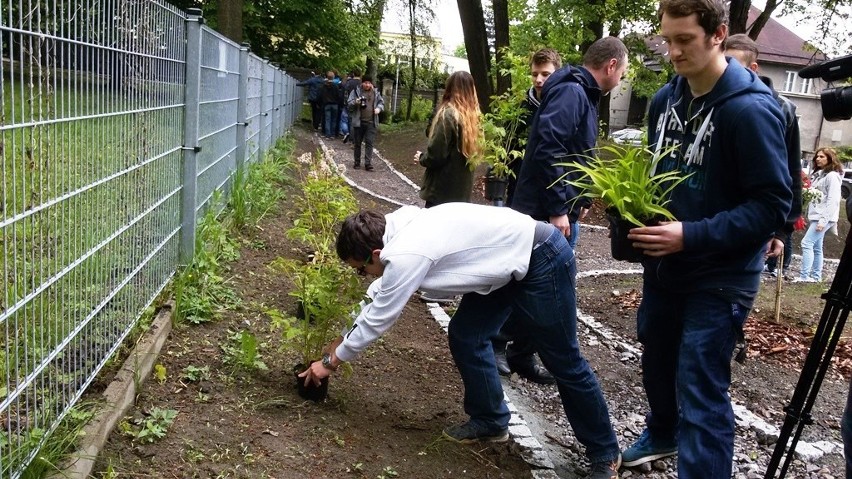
{"type": "Point", "coordinates": [362, 270]}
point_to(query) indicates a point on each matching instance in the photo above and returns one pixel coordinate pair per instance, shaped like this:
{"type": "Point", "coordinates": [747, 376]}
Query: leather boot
{"type": "Point", "coordinates": [528, 367]}
{"type": "Point", "coordinates": [502, 364]}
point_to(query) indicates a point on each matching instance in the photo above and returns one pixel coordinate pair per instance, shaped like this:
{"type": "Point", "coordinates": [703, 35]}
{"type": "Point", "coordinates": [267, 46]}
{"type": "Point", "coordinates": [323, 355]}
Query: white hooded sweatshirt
{"type": "Point", "coordinates": [450, 249]}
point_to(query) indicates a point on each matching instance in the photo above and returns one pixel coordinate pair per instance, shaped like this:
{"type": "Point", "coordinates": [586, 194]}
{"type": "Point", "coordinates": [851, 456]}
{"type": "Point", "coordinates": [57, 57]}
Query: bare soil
{"type": "Point", "coordinates": [387, 417]}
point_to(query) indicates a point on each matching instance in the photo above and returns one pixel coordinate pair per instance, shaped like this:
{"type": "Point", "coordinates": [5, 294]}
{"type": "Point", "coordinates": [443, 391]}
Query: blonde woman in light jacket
{"type": "Point", "coordinates": [822, 213]}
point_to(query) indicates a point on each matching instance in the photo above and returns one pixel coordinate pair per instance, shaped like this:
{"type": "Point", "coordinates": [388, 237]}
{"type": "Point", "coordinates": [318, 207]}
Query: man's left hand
{"type": "Point", "coordinates": [315, 373]}
{"type": "Point", "coordinates": [667, 238]}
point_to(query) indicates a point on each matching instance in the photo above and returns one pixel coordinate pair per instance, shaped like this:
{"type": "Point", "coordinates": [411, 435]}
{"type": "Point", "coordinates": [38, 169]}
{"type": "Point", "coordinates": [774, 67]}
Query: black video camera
{"type": "Point", "coordinates": [836, 102]}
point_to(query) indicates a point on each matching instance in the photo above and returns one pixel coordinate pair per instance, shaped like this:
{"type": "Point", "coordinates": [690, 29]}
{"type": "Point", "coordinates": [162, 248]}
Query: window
{"type": "Point", "coordinates": [794, 84]}
{"type": "Point", "coordinates": [790, 83]}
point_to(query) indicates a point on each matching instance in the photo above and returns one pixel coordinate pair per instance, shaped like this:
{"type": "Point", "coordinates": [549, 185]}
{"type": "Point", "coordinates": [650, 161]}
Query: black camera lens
{"type": "Point", "coordinates": [363, 102]}
{"type": "Point", "coordinates": [837, 103]}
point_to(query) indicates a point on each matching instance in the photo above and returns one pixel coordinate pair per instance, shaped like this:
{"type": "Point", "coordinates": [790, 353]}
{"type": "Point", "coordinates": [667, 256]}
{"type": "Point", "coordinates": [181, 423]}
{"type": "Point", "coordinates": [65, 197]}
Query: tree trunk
{"type": "Point", "coordinates": [412, 32]}
{"type": "Point", "coordinates": [375, 18]}
{"type": "Point", "coordinates": [476, 44]}
{"type": "Point", "coordinates": [230, 19]}
{"type": "Point", "coordinates": [762, 19]}
{"type": "Point", "coordinates": [738, 16]}
{"type": "Point", "coordinates": [501, 41]}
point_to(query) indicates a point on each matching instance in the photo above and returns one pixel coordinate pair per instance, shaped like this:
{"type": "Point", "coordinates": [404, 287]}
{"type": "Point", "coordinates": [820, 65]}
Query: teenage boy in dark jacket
{"type": "Point", "coordinates": [565, 130]}
{"type": "Point", "coordinates": [331, 100]}
{"type": "Point", "coordinates": [717, 122]}
{"type": "Point", "coordinates": [519, 356]}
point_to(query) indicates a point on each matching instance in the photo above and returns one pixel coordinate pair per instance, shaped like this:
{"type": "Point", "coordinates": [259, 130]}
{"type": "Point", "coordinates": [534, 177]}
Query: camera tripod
{"type": "Point", "coordinates": [838, 301]}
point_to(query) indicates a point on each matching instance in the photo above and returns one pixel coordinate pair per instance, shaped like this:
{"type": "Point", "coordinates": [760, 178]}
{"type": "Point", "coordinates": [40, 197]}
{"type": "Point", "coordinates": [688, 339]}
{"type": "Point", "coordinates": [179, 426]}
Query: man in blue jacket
{"type": "Point", "coordinates": [719, 123]}
{"type": "Point", "coordinates": [564, 130]}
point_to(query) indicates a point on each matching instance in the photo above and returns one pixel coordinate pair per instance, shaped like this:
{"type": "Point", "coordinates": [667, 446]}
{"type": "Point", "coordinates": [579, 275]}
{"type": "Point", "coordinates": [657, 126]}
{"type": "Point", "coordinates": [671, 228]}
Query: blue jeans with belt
{"type": "Point", "coordinates": [544, 302]}
{"type": "Point", "coordinates": [688, 341]}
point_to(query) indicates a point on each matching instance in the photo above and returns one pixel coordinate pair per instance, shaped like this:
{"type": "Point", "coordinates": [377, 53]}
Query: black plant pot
{"type": "Point", "coordinates": [311, 391]}
{"type": "Point", "coordinates": [495, 188]}
{"type": "Point", "coordinates": [621, 247]}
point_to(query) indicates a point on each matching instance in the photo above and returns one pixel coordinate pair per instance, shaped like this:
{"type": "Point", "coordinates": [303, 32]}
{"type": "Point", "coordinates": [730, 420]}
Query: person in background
{"type": "Point", "coordinates": [330, 95]}
{"type": "Point", "coordinates": [565, 130]}
{"type": "Point", "coordinates": [519, 355]}
{"type": "Point", "coordinates": [353, 82]}
{"type": "Point", "coordinates": [314, 84]}
{"type": "Point", "coordinates": [822, 212]}
{"type": "Point", "coordinates": [702, 272]}
{"type": "Point", "coordinates": [365, 103]}
{"type": "Point", "coordinates": [453, 141]}
{"type": "Point", "coordinates": [744, 50]}
{"type": "Point", "coordinates": [503, 261]}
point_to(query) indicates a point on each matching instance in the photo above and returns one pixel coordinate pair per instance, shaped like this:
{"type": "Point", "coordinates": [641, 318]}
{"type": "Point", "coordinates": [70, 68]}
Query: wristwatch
{"type": "Point", "coordinates": [326, 362]}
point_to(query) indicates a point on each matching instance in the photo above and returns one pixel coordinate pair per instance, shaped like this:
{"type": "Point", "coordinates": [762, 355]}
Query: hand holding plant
{"type": "Point", "coordinates": [623, 178]}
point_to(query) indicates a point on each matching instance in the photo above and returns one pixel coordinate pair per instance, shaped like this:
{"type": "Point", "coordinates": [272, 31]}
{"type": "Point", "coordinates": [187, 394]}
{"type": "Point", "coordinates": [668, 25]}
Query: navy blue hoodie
{"type": "Point", "coordinates": [563, 130]}
{"type": "Point", "coordinates": [732, 142]}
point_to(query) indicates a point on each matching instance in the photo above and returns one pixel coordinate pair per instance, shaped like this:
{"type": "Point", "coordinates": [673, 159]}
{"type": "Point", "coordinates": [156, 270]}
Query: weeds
{"type": "Point", "coordinates": [241, 350]}
{"type": "Point", "coordinates": [150, 429]}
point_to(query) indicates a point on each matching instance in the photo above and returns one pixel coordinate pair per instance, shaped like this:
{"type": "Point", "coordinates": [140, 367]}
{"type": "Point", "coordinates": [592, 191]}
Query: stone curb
{"type": "Point", "coordinates": [531, 450]}
{"type": "Point", "coordinates": [119, 396]}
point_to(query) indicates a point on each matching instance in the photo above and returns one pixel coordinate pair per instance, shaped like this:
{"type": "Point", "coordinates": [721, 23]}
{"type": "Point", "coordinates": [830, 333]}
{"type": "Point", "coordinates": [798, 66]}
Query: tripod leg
{"type": "Point", "coordinates": [838, 302]}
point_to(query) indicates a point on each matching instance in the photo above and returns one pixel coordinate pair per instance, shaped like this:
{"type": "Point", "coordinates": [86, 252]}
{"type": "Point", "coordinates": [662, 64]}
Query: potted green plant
{"type": "Point", "coordinates": [327, 289]}
{"type": "Point", "coordinates": [623, 178]}
{"type": "Point", "coordinates": [502, 127]}
{"type": "Point", "coordinates": [324, 287]}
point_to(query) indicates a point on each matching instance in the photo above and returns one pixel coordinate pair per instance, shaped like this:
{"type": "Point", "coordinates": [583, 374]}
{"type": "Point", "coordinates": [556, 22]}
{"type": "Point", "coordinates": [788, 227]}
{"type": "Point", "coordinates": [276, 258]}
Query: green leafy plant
{"type": "Point", "coordinates": [195, 374]}
{"type": "Point", "coordinates": [506, 119]}
{"type": "Point", "coordinates": [242, 350]}
{"type": "Point", "coordinates": [622, 177]}
{"type": "Point", "coordinates": [327, 290]}
{"type": "Point", "coordinates": [325, 287]}
{"type": "Point", "coordinates": [152, 428]}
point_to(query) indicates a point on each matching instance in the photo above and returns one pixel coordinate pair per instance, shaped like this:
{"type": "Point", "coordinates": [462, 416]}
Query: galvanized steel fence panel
{"type": "Point", "coordinates": [106, 108]}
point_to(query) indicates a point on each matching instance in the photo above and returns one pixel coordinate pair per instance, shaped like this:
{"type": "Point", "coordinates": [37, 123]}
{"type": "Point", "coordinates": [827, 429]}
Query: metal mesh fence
{"type": "Point", "coordinates": [120, 118]}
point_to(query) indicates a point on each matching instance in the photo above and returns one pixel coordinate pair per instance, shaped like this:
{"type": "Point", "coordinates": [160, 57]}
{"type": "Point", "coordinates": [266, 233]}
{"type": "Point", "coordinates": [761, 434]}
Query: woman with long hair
{"type": "Point", "coordinates": [454, 144]}
{"type": "Point", "coordinates": [822, 212]}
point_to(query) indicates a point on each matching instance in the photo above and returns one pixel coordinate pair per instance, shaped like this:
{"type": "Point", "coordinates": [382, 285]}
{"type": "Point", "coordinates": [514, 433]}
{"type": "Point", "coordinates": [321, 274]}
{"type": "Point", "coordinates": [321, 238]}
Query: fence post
{"type": "Point", "coordinates": [190, 135]}
{"type": "Point", "coordinates": [264, 113]}
{"type": "Point", "coordinates": [242, 106]}
{"type": "Point", "coordinates": [276, 105]}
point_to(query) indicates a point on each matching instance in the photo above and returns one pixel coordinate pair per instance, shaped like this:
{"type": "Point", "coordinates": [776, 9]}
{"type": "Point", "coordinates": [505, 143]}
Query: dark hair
{"type": "Point", "coordinates": [546, 55]}
{"type": "Point", "coordinates": [743, 43]}
{"type": "Point", "coordinates": [711, 13]}
{"type": "Point", "coordinates": [366, 78]}
{"type": "Point", "coordinates": [356, 72]}
{"type": "Point", "coordinates": [360, 234]}
{"type": "Point", "coordinates": [603, 50]}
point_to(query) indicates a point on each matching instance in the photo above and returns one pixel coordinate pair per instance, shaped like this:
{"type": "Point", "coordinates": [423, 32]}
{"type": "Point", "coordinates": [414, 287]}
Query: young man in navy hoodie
{"type": "Point", "coordinates": [564, 130]}
{"type": "Point", "coordinates": [719, 123]}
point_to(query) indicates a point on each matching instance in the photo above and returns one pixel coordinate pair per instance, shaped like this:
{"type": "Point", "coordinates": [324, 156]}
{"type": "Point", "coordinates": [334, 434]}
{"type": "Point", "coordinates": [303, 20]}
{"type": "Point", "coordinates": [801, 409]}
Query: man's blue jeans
{"type": "Point", "coordinates": [812, 251]}
{"type": "Point", "coordinates": [545, 303]}
{"type": "Point", "coordinates": [686, 366]}
{"type": "Point", "coordinates": [330, 120]}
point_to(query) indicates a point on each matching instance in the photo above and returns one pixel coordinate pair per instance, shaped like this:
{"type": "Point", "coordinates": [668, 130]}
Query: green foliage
{"type": "Point", "coordinates": [844, 154]}
{"type": "Point", "coordinates": [502, 125]}
{"type": "Point", "coordinates": [196, 374]}
{"type": "Point", "coordinates": [242, 351]}
{"type": "Point", "coordinates": [55, 448]}
{"type": "Point", "coordinates": [420, 108]}
{"type": "Point", "coordinates": [621, 176]}
{"type": "Point", "coordinates": [460, 51]}
{"type": "Point", "coordinates": [326, 288]}
{"type": "Point", "coordinates": [152, 428]}
{"type": "Point", "coordinates": [257, 186]}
